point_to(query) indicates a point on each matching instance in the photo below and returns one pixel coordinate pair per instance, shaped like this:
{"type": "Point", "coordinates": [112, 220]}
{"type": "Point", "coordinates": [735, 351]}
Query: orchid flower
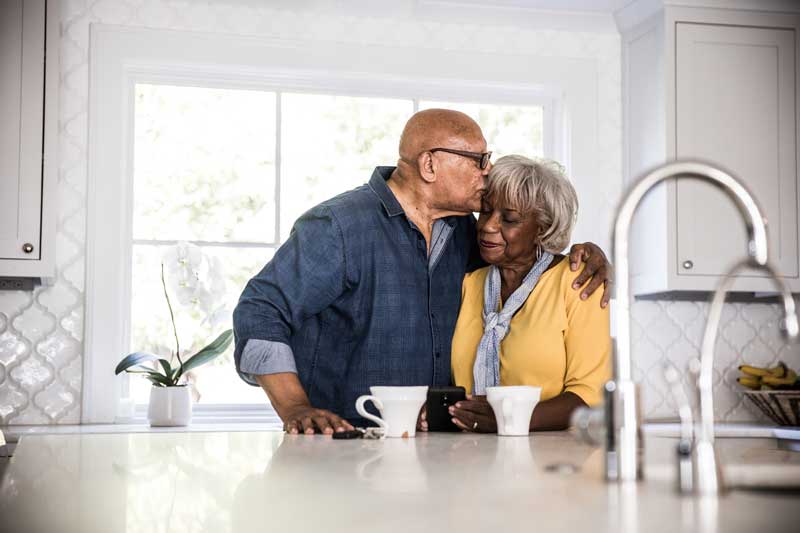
{"type": "Point", "coordinates": [196, 281]}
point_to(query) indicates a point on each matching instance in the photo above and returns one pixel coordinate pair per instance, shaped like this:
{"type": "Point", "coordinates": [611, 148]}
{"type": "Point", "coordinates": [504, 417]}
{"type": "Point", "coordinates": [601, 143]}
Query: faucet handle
{"type": "Point", "coordinates": [695, 370]}
{"type": "Point", "coordinates": [673, 378]}
{"type": "Point", "coordinates": [684, 467]}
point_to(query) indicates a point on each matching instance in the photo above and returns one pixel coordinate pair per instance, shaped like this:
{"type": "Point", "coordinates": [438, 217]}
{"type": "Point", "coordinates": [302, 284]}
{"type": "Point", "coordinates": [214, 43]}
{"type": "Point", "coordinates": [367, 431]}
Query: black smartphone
{"type": "Point", "coordinates": [439, 399]}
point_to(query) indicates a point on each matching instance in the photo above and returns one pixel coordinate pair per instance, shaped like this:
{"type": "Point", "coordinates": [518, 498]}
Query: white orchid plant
{"type": "Point", "coordinates": [197, 281]}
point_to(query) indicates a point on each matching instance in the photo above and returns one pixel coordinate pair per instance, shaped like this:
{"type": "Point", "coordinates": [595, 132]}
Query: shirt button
{"type": "Point", "coordinates": [433, 316]}
{"type": "Point", "coordinates": [438, 355]}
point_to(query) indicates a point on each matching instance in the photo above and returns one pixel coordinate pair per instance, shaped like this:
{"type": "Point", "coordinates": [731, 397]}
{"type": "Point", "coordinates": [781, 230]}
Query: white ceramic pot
{"type": "Point", "coordinates": [170, 406]}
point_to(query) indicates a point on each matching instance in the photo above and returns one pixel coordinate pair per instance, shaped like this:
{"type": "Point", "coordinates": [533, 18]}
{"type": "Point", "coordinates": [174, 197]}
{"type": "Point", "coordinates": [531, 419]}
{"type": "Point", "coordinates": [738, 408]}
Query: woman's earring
{"type": "Point", "coordinates": [538, 251]}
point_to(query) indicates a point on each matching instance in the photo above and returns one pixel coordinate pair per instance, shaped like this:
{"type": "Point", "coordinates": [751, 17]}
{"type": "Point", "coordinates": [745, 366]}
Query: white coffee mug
{"type": "Point", "coordinates": [513, 407]}
{"type": "Point", "coordinates": [399, 408]}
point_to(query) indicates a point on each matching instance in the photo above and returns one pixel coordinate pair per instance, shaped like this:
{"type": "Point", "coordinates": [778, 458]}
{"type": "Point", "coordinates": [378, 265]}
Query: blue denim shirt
{"type": "Point", "coordinates": [270, 357]}
{"type": "Point", "coordinates": [352, 293]}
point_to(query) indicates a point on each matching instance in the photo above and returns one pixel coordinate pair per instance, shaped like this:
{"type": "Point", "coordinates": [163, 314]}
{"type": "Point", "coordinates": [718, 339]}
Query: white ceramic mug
{"type": "Point", "coordinates": [513, 407]}
{"type": "Point", "coordinates": [399, 408]}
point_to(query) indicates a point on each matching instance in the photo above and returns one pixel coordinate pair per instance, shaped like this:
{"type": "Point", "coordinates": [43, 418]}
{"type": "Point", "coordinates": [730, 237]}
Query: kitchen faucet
{"type": "Point", "coordinates": [623, 429]}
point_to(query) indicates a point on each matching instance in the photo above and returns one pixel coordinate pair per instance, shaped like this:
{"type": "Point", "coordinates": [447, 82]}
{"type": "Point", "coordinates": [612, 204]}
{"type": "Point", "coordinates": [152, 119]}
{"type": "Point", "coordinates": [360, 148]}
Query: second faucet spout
{"type": "Point", "coordinates": [706, 469]}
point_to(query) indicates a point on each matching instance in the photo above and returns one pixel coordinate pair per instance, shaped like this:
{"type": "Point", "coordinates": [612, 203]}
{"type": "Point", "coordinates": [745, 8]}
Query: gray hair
{"type": "Point", "coordinates": [537, 186]}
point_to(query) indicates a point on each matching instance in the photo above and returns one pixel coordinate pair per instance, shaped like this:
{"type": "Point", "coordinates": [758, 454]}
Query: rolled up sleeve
{"type": "Point", "coordinates": [265, 357]}
{"type": "Point", "coordinates": [305, 276]}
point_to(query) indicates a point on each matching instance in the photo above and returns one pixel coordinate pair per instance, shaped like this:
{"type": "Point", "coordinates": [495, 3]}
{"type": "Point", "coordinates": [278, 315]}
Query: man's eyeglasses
{"type": "Point", "coordinates": [481, 158]}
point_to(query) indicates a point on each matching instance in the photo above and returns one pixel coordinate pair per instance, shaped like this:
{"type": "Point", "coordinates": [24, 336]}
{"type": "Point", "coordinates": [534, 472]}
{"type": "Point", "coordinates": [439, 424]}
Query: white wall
{"type": "Point", "coordinates": [41, 333]}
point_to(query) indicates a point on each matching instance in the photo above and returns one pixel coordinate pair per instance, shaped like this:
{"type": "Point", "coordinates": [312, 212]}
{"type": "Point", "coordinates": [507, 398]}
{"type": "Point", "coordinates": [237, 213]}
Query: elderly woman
{"type": "Point", "coordinates": [520, 322]}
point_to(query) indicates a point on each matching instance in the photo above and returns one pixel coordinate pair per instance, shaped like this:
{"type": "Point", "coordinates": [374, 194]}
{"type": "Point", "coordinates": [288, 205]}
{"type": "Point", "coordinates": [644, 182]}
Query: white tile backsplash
{"type": "Point", "coordinates": [41, 333]}
{"type": "Point", "coordinates": [672, 330]}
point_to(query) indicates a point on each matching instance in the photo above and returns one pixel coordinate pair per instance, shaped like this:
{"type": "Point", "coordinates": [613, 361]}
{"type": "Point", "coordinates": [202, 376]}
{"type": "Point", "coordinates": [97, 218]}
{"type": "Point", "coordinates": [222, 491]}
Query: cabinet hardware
{"type": "Point", "coordinates": [27, 248]}
{"type": "Point", "coordinates": [688, 264]}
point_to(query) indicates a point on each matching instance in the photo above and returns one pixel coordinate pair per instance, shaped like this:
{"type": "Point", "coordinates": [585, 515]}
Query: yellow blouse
{"type": "Point", "coordinates": [555, 341]}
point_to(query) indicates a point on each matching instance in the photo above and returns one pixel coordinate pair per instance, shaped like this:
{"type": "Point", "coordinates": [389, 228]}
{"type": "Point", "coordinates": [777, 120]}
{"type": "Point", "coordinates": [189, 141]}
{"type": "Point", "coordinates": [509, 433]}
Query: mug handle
{"type": "Point", "coordinates": [508, 413]}
{"type": "Point", "coordinates": [369, 416]}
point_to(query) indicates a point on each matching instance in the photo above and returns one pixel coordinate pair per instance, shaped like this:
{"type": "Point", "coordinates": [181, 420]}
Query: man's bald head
{"type": "Point", "coordinates": [434, 128]}
{"type": "Point", "coordinates": [449, 183]}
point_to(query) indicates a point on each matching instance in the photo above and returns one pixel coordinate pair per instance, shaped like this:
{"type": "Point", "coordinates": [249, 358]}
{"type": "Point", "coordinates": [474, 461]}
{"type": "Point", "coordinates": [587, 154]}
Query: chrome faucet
{"type": "Point", "coordinates": [623, 429]}
{"type": "Point", "coordinates": [707, 478]}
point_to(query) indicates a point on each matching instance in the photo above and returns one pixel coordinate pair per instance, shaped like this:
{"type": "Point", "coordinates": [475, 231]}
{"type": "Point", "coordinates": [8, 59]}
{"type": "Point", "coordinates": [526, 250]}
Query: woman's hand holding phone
{"type": "Point", "coordinates": [474, 414]}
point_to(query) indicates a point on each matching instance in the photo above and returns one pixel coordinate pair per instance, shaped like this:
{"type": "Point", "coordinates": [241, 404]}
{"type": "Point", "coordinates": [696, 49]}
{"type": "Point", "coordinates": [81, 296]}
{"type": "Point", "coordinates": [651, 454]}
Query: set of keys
{"type": "Point", "coordinates": [360, 433]}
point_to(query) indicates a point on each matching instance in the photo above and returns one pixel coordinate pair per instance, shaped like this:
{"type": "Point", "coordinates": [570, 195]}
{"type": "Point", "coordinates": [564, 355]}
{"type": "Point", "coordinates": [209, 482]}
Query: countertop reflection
{"type": "Point", "coordinates": [264, 481]}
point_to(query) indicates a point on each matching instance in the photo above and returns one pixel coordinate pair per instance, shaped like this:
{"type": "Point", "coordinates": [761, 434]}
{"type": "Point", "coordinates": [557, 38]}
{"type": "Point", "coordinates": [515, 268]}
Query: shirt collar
{"type": "Point", "coordinates": [393, 208]}
{"type": "Point", "coordinates": [378, 185]}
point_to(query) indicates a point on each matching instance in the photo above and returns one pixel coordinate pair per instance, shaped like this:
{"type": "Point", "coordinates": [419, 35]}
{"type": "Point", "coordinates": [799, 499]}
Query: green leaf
{"type": "Point", "coordinates": [154, 376]}
{"type": "Point", "coordinates": [156, 382]}
{"type": "Point", "coordinates": [134, 359]}
{"type": "Point", "coordinates": [166, 366]}
{"type": "Point", "coordinates": [219, 345]}
{"type": "Point", "coordinates": [157, 377]}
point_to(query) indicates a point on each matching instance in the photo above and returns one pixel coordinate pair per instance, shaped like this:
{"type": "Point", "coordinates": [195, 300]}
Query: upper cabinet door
{"type": "Point", "coordinates": [22, 45]}
{"type": "Point", "coordinates": [735, 108]}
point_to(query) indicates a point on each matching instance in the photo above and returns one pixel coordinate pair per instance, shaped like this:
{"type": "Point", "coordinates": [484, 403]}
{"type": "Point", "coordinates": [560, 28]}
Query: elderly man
{"type": "Point", "coordinates": [367, 288]}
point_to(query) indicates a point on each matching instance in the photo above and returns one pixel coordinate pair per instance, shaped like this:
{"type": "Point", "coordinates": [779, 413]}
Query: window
{"type": "Point", "coordinates": [230, 170]}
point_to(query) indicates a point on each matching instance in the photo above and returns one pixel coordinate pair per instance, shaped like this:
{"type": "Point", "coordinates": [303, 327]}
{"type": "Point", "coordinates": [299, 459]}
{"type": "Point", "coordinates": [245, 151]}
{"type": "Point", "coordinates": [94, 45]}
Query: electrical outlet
{"type": "Point", "coordinates": [16, 284]}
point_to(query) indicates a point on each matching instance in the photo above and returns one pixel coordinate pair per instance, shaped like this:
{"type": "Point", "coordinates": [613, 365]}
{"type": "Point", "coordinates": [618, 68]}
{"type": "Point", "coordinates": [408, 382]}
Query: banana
{"type": "Point", "coordinates": [788, 379]}
{"type": "Point", "coordinates": [780, 370]}
{"type": "Point", "coordinates": [754, 371]}
{"type": "Point", "coordinates": [749, 382]}
{"type": "Point", "coordinates": [777, 377]}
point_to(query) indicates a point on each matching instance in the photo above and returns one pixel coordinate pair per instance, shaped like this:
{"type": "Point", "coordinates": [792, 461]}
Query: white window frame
{"type": "Point", "coordinates": [121, 57]}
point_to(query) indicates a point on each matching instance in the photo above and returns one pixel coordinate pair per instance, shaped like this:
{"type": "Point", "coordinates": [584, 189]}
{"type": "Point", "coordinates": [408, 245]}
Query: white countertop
{"type": "Point", "coordinates": [268, 481]}
{"type": "Point", "coordinates": [656, 429]}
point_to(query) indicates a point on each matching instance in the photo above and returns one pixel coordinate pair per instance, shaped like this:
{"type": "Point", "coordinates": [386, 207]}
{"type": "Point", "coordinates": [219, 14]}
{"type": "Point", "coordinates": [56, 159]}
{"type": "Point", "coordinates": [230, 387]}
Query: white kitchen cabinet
{"type": "Point", "coordinates": [29, 34]}
{"type": "Point", "coordinates": [721, 86]}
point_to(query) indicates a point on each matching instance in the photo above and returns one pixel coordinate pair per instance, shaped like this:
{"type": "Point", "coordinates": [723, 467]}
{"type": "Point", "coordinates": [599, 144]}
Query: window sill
{"type": "Point", "coordinates": [205, 418]}
{"type": "Point", "coordinates": [14, 433]}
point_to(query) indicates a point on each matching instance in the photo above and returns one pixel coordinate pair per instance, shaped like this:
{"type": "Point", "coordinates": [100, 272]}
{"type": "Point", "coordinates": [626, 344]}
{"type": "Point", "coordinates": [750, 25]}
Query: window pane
{"type": "Point", "coordinates": [330, 144]}
{"type": "Point", "coordinates": [508, 129]}
{"type": "Point", "coordinates": [204, 164]}
{"type": "Point", "coordinates": [151, 328]}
